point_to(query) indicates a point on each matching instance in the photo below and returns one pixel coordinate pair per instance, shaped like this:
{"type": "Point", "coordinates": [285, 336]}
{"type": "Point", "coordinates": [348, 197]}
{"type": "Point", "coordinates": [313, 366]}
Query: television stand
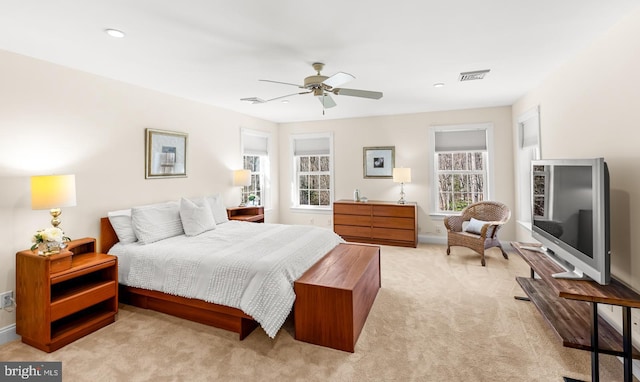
{"type": "Point", "coordinates": [570, 307]}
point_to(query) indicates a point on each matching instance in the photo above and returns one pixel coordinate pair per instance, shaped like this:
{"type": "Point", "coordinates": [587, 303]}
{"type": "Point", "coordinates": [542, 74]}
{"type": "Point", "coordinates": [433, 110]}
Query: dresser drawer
{"type": "Point", "coordinates": [353, 231]}
{"type": "Point", "coordinates": [352, 209]}
{"type": "Point", "coordinates": [396, 211]}
{"type": "Point", "coordinates": [358, 220]}
{"type": "Point", "coordinates": [389, 222]}
{"type": "Point", "coordinates": [394, 234]}
{"type": "Point", "coordinates": [78, 299]}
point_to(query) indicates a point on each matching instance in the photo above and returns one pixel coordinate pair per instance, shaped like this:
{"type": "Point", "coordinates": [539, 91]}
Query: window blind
{"type": "Point", "coordinates": [529, 133]}
{"type": "Point", "coordinates": [311, 146]}
{"type": "Point", "coordinates": [255, 145]}
{"type": "Point", "coordinates": [461, 140]}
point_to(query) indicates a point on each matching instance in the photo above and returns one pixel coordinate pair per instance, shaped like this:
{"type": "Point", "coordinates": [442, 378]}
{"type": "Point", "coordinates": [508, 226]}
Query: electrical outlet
{"type": "Point", "coordinates": [438, 229]}
{"type": "Point", "coordinates": [6, 299]}
{"type": "Point", "coordinates": [635, 323]}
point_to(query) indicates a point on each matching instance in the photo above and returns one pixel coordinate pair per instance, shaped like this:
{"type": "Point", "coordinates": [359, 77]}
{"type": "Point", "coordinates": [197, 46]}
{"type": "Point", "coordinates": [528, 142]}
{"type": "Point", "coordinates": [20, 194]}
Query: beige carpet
{"type": "Point", "coordinates": [436, 318]}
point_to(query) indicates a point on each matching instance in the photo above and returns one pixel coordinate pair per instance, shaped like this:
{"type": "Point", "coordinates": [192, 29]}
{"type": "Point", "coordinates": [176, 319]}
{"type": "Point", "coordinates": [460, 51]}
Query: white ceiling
{"type": "Point", "coordinates": [215, 51]}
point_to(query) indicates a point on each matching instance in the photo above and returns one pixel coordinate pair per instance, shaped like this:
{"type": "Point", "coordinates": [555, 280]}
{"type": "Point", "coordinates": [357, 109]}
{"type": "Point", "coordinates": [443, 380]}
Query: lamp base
{"type": "Point", "coordinates": [402, 201]}
{"type": "Point", "coordinates": [55, 213]}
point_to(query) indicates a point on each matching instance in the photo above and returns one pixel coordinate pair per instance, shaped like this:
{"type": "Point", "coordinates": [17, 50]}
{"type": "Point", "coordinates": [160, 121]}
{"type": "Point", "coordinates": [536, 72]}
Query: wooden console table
{"type": "Point", "coordinates": [571, 308]}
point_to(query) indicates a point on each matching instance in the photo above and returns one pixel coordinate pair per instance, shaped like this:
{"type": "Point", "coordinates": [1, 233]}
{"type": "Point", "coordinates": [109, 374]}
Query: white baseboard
{"type": "Point", "coordinates": [8, 334]}
{"type": "Point", "coordinates": [432, 239]}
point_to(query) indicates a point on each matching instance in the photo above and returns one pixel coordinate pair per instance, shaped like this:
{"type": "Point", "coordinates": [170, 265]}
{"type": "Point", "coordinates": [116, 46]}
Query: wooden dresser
{"type": "Point", "coordinates": [377, 222]}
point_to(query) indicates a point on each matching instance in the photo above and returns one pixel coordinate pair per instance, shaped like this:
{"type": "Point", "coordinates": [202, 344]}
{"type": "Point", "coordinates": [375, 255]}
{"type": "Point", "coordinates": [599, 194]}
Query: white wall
{"type": "Point", "coordinates": [589, 108]}
{"type": "Point", "coordinates": [58, 120]}
{"type": "Point", "coordinates": [409, 134]}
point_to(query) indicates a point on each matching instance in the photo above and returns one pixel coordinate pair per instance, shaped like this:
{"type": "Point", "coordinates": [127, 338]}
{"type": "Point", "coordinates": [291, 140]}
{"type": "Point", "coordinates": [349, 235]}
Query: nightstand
{"type": "Point", "coordinates": [63, 297]}
{"type": "Point", "coordinates": [253, 214]}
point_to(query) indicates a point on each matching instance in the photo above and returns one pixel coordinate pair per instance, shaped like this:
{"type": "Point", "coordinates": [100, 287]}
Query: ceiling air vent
{"type": "Point", "coordinates": [475, 75]}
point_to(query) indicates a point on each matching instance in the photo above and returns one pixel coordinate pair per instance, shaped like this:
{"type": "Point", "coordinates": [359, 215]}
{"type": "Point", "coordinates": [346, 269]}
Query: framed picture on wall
{"type": "Point", "coordinates": [165, 154]}
{"type": "Point", "coordinates": [378, 162]}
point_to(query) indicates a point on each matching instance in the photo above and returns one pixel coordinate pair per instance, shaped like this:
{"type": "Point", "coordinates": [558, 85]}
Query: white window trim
{"type": "Point", "coordinates": [293, 181]}
{"type": "Point", "coordinates": [266, 196]}
{"type": "Point", "coordinates": [488, 127]}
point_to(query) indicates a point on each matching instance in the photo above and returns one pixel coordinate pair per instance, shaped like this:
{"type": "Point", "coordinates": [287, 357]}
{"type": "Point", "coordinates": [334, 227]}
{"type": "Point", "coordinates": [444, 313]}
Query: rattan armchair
{"type": "Point", "coordinates": [493, 215]}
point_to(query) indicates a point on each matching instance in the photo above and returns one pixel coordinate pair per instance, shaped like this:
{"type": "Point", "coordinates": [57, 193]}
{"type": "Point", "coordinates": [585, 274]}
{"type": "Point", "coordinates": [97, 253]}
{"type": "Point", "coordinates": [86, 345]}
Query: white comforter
{"type": "Point", "coordinates": [247, 266]}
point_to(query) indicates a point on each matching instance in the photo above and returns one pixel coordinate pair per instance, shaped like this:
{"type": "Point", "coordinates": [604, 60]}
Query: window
{"type": "Point", "coordinates": [461, 166]}
{"type": "Point", "coordinates": [255, 157]}
{"type": "Point", "coordinates": [540, 192]}
{"type": "Point", "coordinates": [312, 171]}
{"type": "Point", "coordinates": [528, 150]}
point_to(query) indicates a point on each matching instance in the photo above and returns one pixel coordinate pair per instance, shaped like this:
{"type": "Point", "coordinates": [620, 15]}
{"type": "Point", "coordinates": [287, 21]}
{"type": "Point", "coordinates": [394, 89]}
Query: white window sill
{"type": "Point", "coordinates": [442, 215]}
{"type": "Point", "coordinates": [311, 210]}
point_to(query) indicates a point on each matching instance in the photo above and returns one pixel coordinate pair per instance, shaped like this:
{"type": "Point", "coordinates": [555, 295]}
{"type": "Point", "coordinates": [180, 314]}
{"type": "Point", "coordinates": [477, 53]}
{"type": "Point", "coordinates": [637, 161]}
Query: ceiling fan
{"type": "Point", "coordinates": [322, 87]}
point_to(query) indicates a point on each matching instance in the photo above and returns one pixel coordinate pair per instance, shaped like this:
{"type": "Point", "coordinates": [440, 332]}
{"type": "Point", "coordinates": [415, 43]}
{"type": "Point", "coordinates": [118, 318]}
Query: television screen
{"type": "Point", "coordinates": [570, 215]}
{"type": "Point", "coordinates": [564, 208]}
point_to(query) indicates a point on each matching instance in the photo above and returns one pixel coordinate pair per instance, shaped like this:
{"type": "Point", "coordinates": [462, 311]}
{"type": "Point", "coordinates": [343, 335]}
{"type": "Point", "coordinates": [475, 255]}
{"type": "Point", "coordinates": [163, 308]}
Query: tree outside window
{"type": "Point", "coordinates": [314, 180]}
{"type": "Point", "coordinates": [255, 189]}
{"type": "Point", "coordinates": [461, 179]}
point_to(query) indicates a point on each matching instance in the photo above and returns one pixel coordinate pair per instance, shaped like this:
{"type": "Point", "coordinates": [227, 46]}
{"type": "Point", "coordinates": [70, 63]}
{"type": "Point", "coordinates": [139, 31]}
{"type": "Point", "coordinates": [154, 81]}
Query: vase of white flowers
{"type": "Point", "coordinates": [49, 241]}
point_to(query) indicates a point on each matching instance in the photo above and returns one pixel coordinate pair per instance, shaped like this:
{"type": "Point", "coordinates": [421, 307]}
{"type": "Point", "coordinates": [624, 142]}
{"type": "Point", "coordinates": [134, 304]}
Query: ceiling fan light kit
{"type": "Point", "coordinates": [321, 86]}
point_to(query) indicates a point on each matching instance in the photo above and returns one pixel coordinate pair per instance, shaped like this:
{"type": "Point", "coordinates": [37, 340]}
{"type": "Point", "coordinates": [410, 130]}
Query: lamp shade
{"type": "Point", "coordinates": [242, 178]}
{"type": "Point", "coordinates": [402, 175]}
{"type": "Point", "coordinates": [53, 191]}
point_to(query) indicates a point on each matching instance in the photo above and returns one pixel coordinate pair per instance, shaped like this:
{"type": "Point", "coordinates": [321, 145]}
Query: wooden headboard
{"type": "Point", "coordinates": [108, 237]}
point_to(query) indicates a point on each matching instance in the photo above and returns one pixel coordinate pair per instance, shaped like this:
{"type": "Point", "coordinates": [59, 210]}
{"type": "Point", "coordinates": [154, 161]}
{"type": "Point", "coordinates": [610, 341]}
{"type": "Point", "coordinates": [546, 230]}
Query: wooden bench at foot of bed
{"type": "Point", "coordinates": [334, 297]}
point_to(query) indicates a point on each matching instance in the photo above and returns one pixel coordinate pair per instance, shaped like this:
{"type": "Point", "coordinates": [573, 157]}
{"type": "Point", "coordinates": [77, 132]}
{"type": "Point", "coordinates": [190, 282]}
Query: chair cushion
{"type": "Point", "coordinates": [475, 226]}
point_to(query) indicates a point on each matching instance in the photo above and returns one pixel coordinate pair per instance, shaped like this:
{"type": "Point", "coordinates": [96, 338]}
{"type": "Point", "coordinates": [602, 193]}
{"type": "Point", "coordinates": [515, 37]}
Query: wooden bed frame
{"type": "Point", "coordinates": [219, 316]}
{"type": "Point", "coordinates": [347, 279]}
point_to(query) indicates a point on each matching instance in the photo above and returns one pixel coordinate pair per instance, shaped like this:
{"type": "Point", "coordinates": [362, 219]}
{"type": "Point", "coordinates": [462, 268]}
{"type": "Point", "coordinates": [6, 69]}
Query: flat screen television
{"type": "Point", "coordinates": [571, 215]}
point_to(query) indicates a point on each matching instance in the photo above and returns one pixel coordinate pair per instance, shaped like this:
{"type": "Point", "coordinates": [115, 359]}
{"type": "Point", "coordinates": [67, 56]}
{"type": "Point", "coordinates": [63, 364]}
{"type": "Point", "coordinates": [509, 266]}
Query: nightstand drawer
{"type": "Point", "coordinates": [76, 300]}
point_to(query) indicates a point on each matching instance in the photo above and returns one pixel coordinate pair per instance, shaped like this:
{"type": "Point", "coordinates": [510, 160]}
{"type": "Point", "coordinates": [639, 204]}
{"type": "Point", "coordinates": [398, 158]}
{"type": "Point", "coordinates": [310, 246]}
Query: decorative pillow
{"type": "Point", "coordinates": [475, 226]}
{"type": "Point", "coordinates": [218, 209]}
{"type": "Point", "coordinates": [156, 222]}
{"type": "Point", "coordinates": [121, 222]}
{"type": "Point", "coordinates": [196, 216]}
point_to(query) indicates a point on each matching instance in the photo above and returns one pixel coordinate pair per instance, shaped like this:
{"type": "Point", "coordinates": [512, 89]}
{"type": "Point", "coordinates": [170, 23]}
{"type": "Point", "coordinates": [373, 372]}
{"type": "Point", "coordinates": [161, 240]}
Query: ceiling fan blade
{"type": "Point", "coordinates": [338, 79]}
{"type": "Point", "coordinates": [283, 83]}
{"type": "Point", "coordinates": [253, 100]}
{"type": "Point", "coordinates": [358, 93]}
{"type": "Point", "coordinates": [285, 96]}
{"type": "Point", "coordinates": [326, 101]}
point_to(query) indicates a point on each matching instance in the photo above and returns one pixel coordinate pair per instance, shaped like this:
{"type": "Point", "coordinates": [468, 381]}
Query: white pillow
{"type": "Point", "coordinates": [196, 216]}
{"type": "Point", "coordinates": [218, 209]}
{"type": "Point", "coordinates": [156, 222]}
{"type": "Point", "coordinates": [475, 226]}
{"type": "Point", "coordinates": [121, 222]}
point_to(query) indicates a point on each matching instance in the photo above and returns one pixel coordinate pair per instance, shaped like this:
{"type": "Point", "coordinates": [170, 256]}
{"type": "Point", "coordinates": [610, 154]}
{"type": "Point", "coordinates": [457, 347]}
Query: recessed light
{"type": "Point", "coordinates": [114, 33]}
{"type": "Point", "coordinates": [438, 84]}
{"type": "Point", "coordinates": [285, 101]}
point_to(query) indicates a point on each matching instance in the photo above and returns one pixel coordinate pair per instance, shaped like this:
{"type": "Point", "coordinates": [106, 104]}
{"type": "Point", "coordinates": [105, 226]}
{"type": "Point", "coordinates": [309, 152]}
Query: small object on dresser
{"type": "Point", "coordinates": [49, 241]}
{"type": "Point", "coordinates": [356, 195]}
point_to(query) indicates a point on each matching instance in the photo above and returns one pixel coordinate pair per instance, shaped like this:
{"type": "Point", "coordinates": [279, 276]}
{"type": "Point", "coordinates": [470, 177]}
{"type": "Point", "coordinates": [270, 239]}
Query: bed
{"type": "Point", "coordinates": [235, 243]}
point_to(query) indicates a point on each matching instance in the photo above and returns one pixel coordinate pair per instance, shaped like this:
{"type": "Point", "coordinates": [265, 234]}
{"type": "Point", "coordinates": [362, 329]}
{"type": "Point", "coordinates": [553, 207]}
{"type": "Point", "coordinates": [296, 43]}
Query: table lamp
{"type": "Point", "coordinates": [402, 176]}
{"type": "Point", "coordinates": [53, 192]}
{"type": "Point", "coordinates": [242, 178]}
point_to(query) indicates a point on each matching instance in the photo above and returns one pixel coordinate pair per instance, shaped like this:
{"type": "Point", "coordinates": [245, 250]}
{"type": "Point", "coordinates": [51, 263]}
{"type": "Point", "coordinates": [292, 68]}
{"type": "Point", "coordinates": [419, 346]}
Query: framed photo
{"type": "Point", "coordinates": [165, 154]}
{"type": "Point", "coordinates": [378, 162]}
